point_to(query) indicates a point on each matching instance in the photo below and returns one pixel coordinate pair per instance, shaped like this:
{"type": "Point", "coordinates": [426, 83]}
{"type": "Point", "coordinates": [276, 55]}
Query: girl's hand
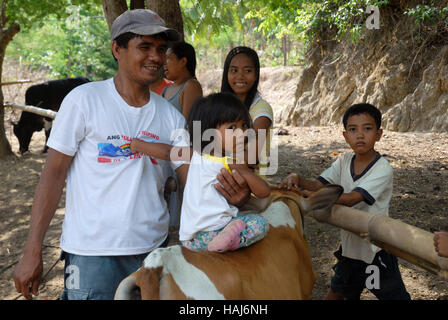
{"type": "Point", "coordinates": [290, 182]}
{"type": "Point", "coordinates": [135, 145]}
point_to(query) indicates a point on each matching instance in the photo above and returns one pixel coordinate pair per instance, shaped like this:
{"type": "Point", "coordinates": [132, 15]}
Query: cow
{"type": "Point", "coordinates": [277, 267]}
{"type": "Point", "coordinates": [47, 95]}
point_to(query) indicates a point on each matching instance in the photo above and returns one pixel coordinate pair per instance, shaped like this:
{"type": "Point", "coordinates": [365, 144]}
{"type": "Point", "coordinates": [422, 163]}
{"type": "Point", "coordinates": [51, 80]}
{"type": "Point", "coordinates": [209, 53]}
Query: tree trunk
{"type": "Point", "coordinates": [285, 50]}
{"type": "Point", "coordinates": [170, 11]}
{"type": "Point", "coordinates": [137, 4]}
{"type": "Point", "coordinates": [112, 9]}
{"type": "Point", "coordinates": [6, 35]}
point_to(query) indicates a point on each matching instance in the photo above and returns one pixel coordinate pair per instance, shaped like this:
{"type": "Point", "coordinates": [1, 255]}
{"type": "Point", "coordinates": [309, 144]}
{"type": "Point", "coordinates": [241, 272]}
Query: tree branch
{"type": "Point", "coordinates": [4, 20]}
{"type": "Point", "coordinates": [112, 9]}
{"type": "Point", "coordinates": [6, 34]}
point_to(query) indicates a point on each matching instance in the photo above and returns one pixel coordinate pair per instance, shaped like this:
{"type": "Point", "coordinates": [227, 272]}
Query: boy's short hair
{"type": "Point", "coordinates": [360, 108]}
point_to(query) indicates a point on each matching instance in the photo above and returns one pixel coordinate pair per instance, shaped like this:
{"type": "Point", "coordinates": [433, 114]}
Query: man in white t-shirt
{"type": "Point", "coordinates": [115, 211]}
{"type": "Point", "coordinates": [367, 179]}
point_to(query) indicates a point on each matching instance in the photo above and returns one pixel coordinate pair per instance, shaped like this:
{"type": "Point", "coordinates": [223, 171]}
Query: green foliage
{"type": "Point", "coordinates": [216, 26]}
{"type": "Point", "coordinates": [212, 17]}
{"type": "Point", "coordinates": [27, 12]}
{"type": "Point", "coordinates": [75, 45]}
{"type": "Point", "coordinates": [335, 19]}
{"type": "Point", "coordinates": [277, 18]}
{"type": "Point", "coordinates": [231, 23]}
{"type": "Point", "coordinates": [49, 40]}
{"type": "Point", "coordinates": [428, 13]}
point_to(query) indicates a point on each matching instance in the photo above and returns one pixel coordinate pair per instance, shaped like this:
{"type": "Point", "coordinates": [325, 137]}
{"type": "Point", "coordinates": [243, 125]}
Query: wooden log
{"type": "Point", "coordinates": [42, 112]}
{"type": "Point", "coordinates": [408, 242]}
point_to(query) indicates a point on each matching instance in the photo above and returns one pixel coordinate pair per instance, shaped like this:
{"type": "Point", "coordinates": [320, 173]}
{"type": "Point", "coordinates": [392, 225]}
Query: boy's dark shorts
{"type": "Point", "coordinates": [350, 277]}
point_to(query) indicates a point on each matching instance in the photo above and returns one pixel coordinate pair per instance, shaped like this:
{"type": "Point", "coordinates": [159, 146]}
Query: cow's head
{"type": "Point", "coordinates": [24, 129]}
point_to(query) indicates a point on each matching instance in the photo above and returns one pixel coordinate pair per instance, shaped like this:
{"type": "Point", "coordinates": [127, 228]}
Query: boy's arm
{"type": "Point", "coordinates": [257, 185]}
{"type": "Point", "coordinates": [294, 181]}
{"type": "Point", "coordinates": [350, 199]}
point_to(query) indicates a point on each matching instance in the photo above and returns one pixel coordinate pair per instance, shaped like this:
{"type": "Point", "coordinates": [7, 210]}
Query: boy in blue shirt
{"type": "Point", "coordinates": [367, 179]}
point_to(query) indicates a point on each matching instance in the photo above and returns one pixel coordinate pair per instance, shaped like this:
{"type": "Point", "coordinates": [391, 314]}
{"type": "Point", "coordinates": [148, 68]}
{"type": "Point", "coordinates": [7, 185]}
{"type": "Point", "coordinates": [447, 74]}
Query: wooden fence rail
{"type": "Point", "coordinates": [42, 112]}
{"type": "Point", "coordinates": [408, 242]}
{"type": "Point", "coordinates": [8, 83]}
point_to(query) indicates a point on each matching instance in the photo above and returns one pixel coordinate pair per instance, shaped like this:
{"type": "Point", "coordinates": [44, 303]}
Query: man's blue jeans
{"type": "Point", "coordinates": [97, 277]}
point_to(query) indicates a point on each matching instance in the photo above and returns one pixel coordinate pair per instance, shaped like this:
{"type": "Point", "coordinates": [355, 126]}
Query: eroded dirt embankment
{"type": "Point", "coordinates": [402, 68]}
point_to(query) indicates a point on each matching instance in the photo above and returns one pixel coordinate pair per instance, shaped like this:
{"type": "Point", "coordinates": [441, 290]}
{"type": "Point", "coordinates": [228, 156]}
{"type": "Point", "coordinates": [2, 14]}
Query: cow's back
{"type": "Point", "coordinates": [47, 95]}
{"type": "Point", "coordinates": [50, 94]}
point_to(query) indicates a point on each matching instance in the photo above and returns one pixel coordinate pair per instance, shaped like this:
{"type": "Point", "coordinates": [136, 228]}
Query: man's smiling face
{"type": "Point", "coordinates": [143, 59]}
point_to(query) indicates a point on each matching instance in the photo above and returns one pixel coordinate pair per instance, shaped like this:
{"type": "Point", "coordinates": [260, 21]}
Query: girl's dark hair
{"type": "Point", "coordinates": [252, 54]}
{"type": "Point", "coordinates": [363, 108]}
{"type": "Point", "coordinates": [182, 49]}
{"type": "Point", "coordinates": [214, 110]}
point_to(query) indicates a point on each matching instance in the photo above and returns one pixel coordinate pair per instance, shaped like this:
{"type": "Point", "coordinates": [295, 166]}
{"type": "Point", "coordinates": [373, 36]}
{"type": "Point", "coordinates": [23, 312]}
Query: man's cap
{"type": "Point", "coordinates": [143, 22]}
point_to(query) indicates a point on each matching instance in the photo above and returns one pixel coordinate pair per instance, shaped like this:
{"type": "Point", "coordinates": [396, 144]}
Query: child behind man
{"type": "Point", "coordinates": [366, 177]}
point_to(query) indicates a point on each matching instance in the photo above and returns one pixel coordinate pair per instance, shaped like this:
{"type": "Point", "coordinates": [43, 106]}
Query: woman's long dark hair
{"type": "Point", "coordinates": [182, 49]}
{"type": "Point", "coordinates": [252, 54]}
{"type": "Point", "coordinates": [214, 110]}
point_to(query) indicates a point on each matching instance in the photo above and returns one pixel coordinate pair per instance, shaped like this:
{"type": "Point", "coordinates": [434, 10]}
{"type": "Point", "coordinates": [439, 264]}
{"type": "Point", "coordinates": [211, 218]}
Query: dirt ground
{"type": "Point", "coordinates": [420, 198]}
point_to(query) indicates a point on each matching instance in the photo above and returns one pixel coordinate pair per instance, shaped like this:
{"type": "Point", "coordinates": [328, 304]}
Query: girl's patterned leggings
{"type": "Point", "coordinates": [256, 229]}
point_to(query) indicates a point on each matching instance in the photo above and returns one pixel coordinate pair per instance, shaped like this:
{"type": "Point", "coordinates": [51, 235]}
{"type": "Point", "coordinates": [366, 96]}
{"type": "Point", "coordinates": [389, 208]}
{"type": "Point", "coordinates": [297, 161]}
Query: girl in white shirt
{"type": "Point", "coordinates": [218, 126]}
